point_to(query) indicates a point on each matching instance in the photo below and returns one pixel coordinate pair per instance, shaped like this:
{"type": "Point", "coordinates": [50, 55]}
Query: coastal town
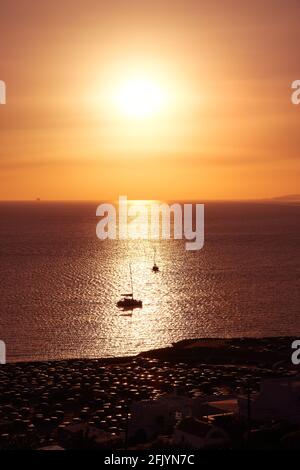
{"type": "Point", "coordinates": [238, 397]}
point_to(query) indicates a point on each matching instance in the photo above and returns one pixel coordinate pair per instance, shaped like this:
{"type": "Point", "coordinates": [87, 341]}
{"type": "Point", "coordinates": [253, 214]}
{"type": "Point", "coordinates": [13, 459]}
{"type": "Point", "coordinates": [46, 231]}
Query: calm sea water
{"type": "Point", "coordinates": [59, 284]}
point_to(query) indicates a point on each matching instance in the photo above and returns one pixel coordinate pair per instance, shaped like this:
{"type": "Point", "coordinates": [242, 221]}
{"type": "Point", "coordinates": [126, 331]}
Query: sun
{"type": "Point", "coordinates": [140, 97]}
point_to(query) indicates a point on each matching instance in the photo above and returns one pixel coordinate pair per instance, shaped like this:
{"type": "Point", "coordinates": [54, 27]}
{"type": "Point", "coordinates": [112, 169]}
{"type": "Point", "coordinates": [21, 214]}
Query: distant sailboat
{"type": "Point", "coordinates": [155, 268]}
{"type": "Point", "coordinates": [129, 302]}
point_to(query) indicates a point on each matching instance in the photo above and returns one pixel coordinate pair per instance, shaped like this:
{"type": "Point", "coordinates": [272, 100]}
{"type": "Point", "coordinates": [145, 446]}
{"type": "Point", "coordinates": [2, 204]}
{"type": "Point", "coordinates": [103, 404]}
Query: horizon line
{"type": "Point", "coordinates": [253, 199]}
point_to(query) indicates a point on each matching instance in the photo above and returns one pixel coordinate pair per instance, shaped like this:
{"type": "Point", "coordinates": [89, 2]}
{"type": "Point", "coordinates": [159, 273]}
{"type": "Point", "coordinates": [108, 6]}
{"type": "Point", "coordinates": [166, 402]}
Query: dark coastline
{"type": "Point", "coordinates": [250, 351]}
{"type": "Point", "coordinates": [234, 351]}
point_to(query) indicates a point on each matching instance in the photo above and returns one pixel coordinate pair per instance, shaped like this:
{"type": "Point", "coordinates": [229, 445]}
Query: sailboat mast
{"type": "Point", "coordinates": [131, 280]}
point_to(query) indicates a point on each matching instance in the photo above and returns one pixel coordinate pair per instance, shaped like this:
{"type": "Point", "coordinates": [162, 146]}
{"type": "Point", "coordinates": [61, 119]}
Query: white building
{"type": "Point", "coordinates": [150, 418]}
{"type": "Point", "coordinates": [193, 433]}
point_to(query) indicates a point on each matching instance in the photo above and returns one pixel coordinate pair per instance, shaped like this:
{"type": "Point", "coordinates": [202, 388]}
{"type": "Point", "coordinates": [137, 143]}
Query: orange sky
{"type": "Point", "coordinates": [228, 131]}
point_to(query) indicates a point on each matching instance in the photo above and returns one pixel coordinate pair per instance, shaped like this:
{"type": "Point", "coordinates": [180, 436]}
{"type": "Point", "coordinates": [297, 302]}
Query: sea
{"type": "Point", "coordinates": [59, 284]}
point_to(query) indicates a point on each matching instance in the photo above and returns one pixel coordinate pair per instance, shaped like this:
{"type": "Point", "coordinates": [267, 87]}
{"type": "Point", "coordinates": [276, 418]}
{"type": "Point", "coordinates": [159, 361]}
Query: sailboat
{"type": "Point", "coordinates": [129, 302]}
{"type": "Point", "coordinates": [155, 268]}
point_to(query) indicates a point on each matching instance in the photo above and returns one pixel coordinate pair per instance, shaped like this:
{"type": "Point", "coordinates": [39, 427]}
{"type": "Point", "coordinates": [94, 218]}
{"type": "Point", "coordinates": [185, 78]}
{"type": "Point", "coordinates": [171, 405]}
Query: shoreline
{"type": "Point", "coordinates": [207, 350]}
